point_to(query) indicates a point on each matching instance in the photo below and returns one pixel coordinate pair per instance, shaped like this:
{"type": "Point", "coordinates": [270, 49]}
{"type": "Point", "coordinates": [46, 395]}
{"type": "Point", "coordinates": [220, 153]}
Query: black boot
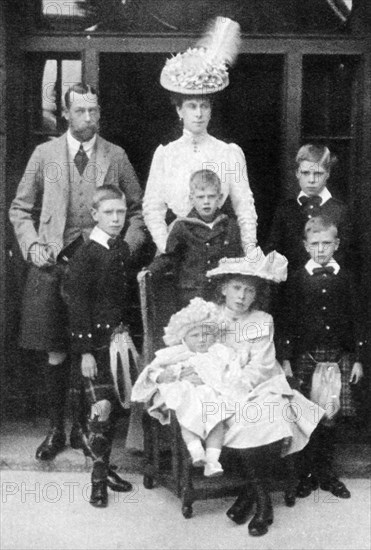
{"type": "Point", "coordinates": [114, 481]}
{"type": "Point", "coordinates": [242, 507]}
{"type": "Point", "coordinates": [328, 481]}
{"type": "Point", "coordinates": [291, 482]}
{"type": "Point", "coordinates": [79, 411]}
{"type": "Point", "coordinates": [263, 517]}
{"type": "Point", "coordinates": [99, 494]}
{"type": "Point", "coordinates": [308, 481]}
{"type": "Point", "coordinates": [56, 382]}
{"type": "Point", "coordinates": [99, 445]}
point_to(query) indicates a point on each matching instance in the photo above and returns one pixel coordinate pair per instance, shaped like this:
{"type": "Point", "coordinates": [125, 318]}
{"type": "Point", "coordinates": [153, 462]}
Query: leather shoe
{"type": "Point", "coordinates": [99, 494]}
{"type": "Point", "coordinates": [116, 483]}
{"type": "Point", "coordinates": [258, 526]}
{"type": "Point", "coordinates": [52, 445]}
{"type": "Point", "coordinates": [241, 508]}
{"type": "Point", "coordinates": [336, 487]}
{"type": "Point", "coordinates": [263, 517]}
{"type": "Point", "coordinates": [290, 498]}
{"type": "Point", "coordinates": [306, 485]}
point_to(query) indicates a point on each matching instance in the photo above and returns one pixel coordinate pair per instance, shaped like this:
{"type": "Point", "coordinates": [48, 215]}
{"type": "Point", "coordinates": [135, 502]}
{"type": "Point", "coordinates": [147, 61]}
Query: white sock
{"type": "Point", "coordinates": [194, 445]}
{"type": "Point", "coordinates": [212, 454]}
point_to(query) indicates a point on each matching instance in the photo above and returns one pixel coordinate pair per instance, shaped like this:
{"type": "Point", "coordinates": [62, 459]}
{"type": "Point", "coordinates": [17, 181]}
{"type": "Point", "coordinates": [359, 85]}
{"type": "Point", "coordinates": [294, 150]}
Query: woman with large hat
{"type": "Point", "coordinates": [193, 77]}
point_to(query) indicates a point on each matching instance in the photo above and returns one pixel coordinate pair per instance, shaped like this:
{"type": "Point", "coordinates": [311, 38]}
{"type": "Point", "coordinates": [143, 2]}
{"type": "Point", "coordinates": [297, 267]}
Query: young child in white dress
{"type": "Point", "coordinates": [198, 379]}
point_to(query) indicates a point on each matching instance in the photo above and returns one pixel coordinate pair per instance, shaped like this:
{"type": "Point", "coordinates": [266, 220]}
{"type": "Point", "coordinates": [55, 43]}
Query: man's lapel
{"type": "Point", "coordinates": [102, 160]}
{"type": "Point", "coordinates": [59, 174]}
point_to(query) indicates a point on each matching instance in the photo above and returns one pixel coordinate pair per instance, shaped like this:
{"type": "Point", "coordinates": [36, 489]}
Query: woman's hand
{"type": "Point", "coordinates": [357, 373]}
{"type": "Point", "coordinates": [88, 366]}
{"type": "Point", "coordinates": [188, 373]}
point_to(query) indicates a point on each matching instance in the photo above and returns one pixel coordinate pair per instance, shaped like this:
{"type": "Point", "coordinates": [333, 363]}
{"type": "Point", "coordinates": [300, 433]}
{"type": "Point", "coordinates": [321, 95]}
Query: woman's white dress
{"type": "Point", "coordinates": [168, 183]}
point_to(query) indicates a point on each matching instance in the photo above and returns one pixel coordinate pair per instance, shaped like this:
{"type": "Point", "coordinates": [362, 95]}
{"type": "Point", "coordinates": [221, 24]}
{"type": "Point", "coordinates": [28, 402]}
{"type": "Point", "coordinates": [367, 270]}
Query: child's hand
{"type": "Point", "coordinates": [357, 373]}
{"type": "Point", "coordinates": [166, 377]}
{"type": "Point", "coordinates": [88, 366]}
{"type": "Point", "coordinates": [188, 373]}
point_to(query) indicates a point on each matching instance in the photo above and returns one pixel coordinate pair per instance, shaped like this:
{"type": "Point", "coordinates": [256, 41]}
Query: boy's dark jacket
{"type": "Point", "coordinates": [193, 248]}
{"type": "Point", "coordinates": [321, 311]}
{"type": "Point", "coordinates": [95, 289]}
{"type": "Point", "coordinates": [286, 235]}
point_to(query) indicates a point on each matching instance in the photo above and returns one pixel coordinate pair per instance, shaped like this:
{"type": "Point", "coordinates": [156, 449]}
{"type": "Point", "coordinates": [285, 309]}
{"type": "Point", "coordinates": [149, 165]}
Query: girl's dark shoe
{"type": "Point", "coordinates": [290, 498]}
{"type": "Point", "coordinates": [336, 487]}
{"type": "Point", "coordinates": [306, 485]}
{"type": "Point", "coordinates": [242, 507]}
{"type": "Point", "coordinates": [263, 517]}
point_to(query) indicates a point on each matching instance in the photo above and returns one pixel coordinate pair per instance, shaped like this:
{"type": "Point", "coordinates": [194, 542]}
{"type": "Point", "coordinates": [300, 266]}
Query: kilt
{"type": "Point", "coordinates": [304, 367]}
{"type": "Point", "coordinates": [114, 388]}
{"type": "Point", "coordinates": [44, 314]}
{"type": "Point", "coordinates": [97, 389]}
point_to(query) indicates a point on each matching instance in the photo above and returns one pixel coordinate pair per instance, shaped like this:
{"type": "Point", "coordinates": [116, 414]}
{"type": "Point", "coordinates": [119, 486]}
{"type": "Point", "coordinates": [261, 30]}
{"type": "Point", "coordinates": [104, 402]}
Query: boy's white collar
{"type": "Point", "coordinates": [311, 264]}
{"type": "Point", "coordinates": [324, 194]}
{"type": "Point", "coordinates": [100, 236]}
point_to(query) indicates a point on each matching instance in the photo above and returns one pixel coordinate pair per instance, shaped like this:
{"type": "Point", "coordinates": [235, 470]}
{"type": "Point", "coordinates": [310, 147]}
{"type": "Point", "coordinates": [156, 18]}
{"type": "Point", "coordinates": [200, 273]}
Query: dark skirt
{"type": "Point", "coordinates": [44, 313]}
{"type": "Point", "coordinates": [304, 367]}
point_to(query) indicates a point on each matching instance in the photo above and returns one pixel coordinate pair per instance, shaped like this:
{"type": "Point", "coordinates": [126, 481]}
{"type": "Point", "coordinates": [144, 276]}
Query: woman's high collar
{"type": "Point", "coordinates": [194, 138]}
{"type": "Point", "coordinates": [233, 316]}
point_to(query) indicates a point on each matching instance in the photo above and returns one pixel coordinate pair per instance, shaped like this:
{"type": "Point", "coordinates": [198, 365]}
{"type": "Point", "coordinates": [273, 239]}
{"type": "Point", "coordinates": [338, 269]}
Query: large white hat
{"type": "Point", "coordinates": [272, 267]}
{"type": "Point", "coordinates": [204, 69]}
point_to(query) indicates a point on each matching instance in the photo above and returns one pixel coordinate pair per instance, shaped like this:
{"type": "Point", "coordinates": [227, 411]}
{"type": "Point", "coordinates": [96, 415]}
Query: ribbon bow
{"type": "Point", "coordinates": [323, 269]}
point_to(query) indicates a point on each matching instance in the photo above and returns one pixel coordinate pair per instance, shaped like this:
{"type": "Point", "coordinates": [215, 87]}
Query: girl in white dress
{"type": "Point", "coordinates": [273, 420]}
{"type": "Point", "coordinates": [193, 77]}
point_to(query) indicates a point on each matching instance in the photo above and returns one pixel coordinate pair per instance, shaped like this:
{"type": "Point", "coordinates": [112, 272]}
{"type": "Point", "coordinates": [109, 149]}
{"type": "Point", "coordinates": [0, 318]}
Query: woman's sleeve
{"type": "Point", "coordinates": [241, 196]}
{"type": "Point", "coordinates": [154, 206]}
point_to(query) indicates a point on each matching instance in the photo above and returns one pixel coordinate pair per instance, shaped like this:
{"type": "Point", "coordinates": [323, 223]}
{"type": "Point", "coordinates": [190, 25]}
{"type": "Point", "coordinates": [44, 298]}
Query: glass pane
{"type": "Point", "coordinates": [49, 97]}
{"type": "Point", "coordinates": [49, 77]}
{"type": "Point", "coordinates": [327, 95]}
{"type": "Point", "coordinates": [71, 74]}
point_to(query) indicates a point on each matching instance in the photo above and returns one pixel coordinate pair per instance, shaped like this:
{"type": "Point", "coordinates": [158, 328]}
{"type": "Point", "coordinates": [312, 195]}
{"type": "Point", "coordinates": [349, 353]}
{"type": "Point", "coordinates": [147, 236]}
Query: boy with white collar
{"type": "Point", "coordinates": [322, 325]}
{"type": "Point", "coordinates": [314, 165]}
{"type": "Point", "coordinates": [95, 290]}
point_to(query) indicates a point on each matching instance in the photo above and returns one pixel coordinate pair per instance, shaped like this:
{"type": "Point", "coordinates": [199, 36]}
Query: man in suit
{"type": "Point", "coordinates": [51, 218]}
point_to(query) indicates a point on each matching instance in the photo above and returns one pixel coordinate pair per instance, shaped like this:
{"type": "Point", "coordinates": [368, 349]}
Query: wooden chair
{"type": "Point", "coordinates": [166, 457]}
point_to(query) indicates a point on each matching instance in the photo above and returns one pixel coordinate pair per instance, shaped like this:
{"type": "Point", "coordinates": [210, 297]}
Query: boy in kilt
{"type": "Point", "coordinates": [322, 333]}
{"type": "Point", "coordinates": [95, 291]}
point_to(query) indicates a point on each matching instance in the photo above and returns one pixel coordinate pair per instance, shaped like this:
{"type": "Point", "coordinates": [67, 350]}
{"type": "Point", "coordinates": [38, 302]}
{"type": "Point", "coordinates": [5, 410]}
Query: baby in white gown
{"type": "Point", "coordinates": [198, 379]}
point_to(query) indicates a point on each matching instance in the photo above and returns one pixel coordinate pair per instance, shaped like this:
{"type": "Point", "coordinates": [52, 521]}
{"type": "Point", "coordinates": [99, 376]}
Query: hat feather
{"type": "Point", "coordinates": [221, 40]}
